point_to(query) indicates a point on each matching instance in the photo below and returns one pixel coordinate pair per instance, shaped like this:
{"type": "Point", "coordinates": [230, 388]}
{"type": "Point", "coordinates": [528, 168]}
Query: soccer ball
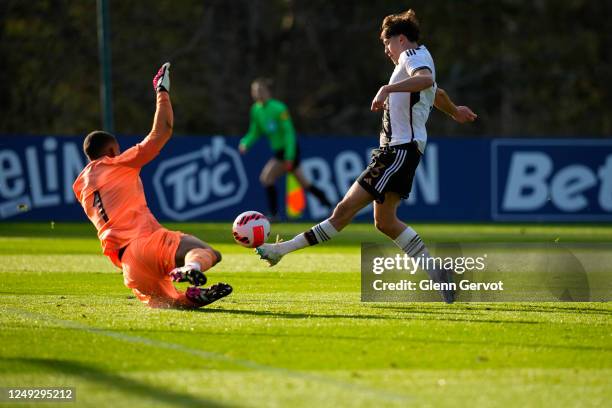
{"type": "Point", "coordinates": [251, 229]}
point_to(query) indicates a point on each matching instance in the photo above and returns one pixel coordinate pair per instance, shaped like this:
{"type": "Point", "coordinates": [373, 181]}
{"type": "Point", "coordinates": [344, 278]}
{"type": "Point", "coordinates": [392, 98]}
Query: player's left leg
{"type": "Point", "coordinates": [272, 170]}
{"type": "Point", "coordinates": [193, 257]}
{"type": "Point", "coordinates": [147, 261]}
{"type": "Point", "coordinates": [311, 188]}
{"type": "Point", "coordinates": [387, 222]}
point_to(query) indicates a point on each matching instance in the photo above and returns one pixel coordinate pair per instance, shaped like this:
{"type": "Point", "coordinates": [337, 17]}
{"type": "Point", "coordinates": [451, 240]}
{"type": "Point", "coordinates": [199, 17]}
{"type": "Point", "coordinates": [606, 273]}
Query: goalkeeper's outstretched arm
{"type": "Point", "coordinates": [145, 151]}
{"type": "Point", "coordinates": [163, 120]}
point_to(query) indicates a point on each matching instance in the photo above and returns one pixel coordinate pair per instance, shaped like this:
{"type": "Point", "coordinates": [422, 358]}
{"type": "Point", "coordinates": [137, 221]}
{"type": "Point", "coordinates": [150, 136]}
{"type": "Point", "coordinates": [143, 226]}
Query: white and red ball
{"type": "Point", "coordinates": [251, 229]}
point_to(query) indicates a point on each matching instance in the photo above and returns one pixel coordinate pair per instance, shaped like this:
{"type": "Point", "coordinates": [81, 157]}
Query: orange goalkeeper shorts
{"type": "Point", "coordinates": [146, 265]}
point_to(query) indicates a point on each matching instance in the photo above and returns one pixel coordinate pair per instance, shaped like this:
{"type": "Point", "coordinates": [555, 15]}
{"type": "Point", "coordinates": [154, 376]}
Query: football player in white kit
{"type": "Point", "coordinates": [406, 102]}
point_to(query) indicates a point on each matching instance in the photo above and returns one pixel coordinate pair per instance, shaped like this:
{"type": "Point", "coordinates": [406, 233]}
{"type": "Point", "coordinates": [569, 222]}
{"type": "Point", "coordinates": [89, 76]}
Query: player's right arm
{"type": "Point", "coordinates": [163, 122]}
{"type": "Point", "coordinates": [421, 79]}
{"type": "Point", "coordinates": [252, 135]}
{"type": "Point", "coordinates": [461, 114]}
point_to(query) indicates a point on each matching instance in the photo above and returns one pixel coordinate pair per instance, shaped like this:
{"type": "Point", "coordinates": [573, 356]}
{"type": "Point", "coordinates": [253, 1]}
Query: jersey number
{"type": "Point", "coordinates": [98, 204]}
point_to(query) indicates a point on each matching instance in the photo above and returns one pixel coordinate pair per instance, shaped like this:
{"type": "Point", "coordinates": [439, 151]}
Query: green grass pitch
{"type": "Point", "coordinates": [293, 335]}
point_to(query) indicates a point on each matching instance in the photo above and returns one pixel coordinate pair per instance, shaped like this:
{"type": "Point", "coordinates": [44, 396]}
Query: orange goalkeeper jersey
{"type": "Point", "coordinates": [111, 193]}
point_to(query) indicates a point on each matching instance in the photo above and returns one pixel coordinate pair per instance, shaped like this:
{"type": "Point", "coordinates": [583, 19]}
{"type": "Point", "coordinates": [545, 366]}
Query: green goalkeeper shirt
{"type": "Point", "coordinates": [272, 120]}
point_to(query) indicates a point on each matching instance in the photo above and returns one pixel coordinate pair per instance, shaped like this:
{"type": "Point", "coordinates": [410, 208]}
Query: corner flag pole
{"type": "Point", "coordinates": [104, 52]}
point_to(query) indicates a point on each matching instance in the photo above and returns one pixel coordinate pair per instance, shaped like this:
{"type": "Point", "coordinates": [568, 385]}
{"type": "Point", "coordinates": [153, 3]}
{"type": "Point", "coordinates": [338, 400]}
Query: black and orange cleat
{"type": "Point", "coordinates": [205, 296]}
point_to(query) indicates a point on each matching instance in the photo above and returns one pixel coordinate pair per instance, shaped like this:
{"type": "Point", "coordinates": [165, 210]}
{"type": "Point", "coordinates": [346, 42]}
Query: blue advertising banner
{"type": "Point", "coordinates": [551, 180]}
{"type": "Point", "coordinates": [205, 178]}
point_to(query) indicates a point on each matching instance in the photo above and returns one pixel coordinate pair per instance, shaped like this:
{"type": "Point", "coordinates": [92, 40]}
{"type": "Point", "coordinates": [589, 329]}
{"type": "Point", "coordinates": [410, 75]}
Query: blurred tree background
{"type": "Point", "coordinates": [528, 68]}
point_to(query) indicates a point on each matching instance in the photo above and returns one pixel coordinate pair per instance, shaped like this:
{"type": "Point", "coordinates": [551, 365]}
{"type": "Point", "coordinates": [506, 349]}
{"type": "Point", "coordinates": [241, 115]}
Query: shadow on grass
{"type": "Point", "coordinates": [117, 382]}
{"type": "Point", "coordinates": [466, 308]}
{"type": "Point", "coordinates": [548, 309]}
{"type": "Point", "coordinates": [291, 315]}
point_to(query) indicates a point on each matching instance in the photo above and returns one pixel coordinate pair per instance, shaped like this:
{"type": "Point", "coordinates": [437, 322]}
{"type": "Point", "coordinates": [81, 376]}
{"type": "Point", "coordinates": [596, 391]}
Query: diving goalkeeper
{"type": "Point", "coordinates": [110, 191]}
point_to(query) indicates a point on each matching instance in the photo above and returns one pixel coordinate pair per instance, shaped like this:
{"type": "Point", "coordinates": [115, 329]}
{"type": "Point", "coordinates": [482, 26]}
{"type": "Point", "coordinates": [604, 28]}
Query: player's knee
{"type": "Point", "coordinates": [342, 215]}
{"type": "Point", "coordinates": [218, 255]}
{"type": "Point", "coordinates": [215, 256]}
{"type": "Point", "coordinates": [266, 180]}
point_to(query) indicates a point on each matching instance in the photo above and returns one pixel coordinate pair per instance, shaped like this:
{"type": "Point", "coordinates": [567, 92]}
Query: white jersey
{"type": "Point", "coordinates": [406, 113]}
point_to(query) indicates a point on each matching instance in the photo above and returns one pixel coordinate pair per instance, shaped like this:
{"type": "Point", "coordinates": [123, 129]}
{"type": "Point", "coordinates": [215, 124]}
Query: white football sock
{"type": "Point", "coordinates": [410, 242]}
{"type": "Point", "coordinates": [298, 242]}
{"type": "Point", "coordinates": [319, 233]}
{"type": "Point", "coordinates": [193, 265]}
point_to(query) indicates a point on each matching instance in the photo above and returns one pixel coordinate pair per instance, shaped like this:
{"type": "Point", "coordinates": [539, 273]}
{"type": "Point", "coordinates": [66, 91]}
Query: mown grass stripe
{"type": "Point", "coordinates": [210, 355]}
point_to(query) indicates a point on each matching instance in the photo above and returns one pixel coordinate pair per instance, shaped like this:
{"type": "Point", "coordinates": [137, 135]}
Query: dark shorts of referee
{"type": "Point", "coordinates": [391, 169]}
{"type": "Point", "coordinates": [280, 155]}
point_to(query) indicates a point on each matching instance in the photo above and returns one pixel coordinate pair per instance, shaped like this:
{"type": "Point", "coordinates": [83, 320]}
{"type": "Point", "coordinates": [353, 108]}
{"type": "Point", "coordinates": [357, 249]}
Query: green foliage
{"type": "Point", "coordinates": [527, 68]}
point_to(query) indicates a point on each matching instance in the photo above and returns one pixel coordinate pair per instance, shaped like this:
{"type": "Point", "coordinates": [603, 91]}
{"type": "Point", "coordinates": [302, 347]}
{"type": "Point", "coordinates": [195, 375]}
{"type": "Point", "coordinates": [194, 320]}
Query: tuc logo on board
{"type": "Point", "coordinates": [200, 182]}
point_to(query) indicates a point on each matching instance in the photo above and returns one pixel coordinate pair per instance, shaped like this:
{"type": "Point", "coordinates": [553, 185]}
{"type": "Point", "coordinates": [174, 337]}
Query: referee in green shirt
{"type": "Point", "coordinates": [270, 117]}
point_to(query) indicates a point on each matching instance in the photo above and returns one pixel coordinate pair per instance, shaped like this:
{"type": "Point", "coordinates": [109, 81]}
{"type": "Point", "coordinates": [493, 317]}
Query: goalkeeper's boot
{"type": "Point", "coordinates": [269, 253]}
{"type": "Point", "coordinates": [205, 296]}
{"type": "Point", "coordinates": [188, 274]}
